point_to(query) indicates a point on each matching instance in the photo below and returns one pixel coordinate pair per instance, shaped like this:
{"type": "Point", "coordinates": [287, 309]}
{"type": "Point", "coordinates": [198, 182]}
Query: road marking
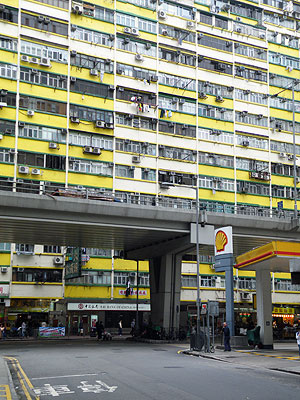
{"type": "Point", "coordinates": [96, 388]}
{"type": "Point", "coordinates": [62, 376]}
{"type": "Point", "coordinates": [22, 377]}
{"type": "Point", "coordinates": [5, 389]}
{"type": "Point", "coordinates": [268, 355]}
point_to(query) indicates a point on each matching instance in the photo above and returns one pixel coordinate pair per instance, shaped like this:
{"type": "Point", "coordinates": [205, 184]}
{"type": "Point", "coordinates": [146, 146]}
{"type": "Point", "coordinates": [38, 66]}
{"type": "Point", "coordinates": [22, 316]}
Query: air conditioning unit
{"type": "Point", "coordinates": [190, 24]}
{"type": "Point", "coordinates": [262, 36]}
{"type": "Point", "coordinates": [8, 131]}
{"type": "Point", "coordinates": [53, 145]}
{"type": "Point", "coordinates": [282, 155]}
{"type": "Point", "coordinates": [119, 71]}
{"type": "Point", "coordinates": [34, 60]}
{"type": "Point", "coordinates": [244, 189]}
{"type": "Point", "coordinates": [30, 113]}
{"type": "Point", "coordinates": [164, 32]}
{"type": "Point", "coordinates": [12, 151]}
{"type": "Point", "coordinates": [181, 101]}
{"type": "Point", "coordinates": [47, 20]}
{"type": "Point", "coordinates": [219, 99]}
{"type": "Point", "coordinates": [146, 170]}
{"type": "Point", "coordinates": [45, 62]}
{"type": "Point", "coordinates": [97, 151]}
{"type": "Point", "coordinates": [202, 95]}
{"type": "Point", "coordinates": [35, 171]}
{"type": "Point", "coordinates": [135, 32]}
{"type": "Point", "coordinates": [127, 30]}
{"type": "Point", "coordinates": [3, 104]}
{"type": "Point", "coordinates": [132, 274]}
{"type": "Point", "coordinates": [73, 79]}
{"type": "Point", "coordinates": [162, 14]}
{"type": "Point", "coordinates": [23, 170]}
{"type": "Point", "coordinates": [99, 124]}
{"type": "Point", "coordinates": [245, 143]}
{"type": "Point", "coordinates": [225, 7]}
{"type": "Point", "coordinates": [20, 269]}
{"type": "Point", "coordinates": [77, 8]}
{"type": "Point", "coordinates": [73, 53]}
{"type": "Point", "coordinates": [238, 30]}
{"type": "Point", "coordinates": [245, 296]}
{"type": "Point", "coordinates": [58, 260]}
{"type": "Point", "coordinates": [290, 157]}
{"type": "Point", "coordinates": [3, 270]}
{"type": "Point", "coordinates": [94, 72]}
{"type": "Point", "coordinates": [136, 159]}
{"type": "Point", "coordinates": [109, 125]}
{"type": "Point", "coordinates": [25, 58]}
{"type": "Point", "coordinates": [154, 78]}
{"type": "Point", "coordinates": [139, 57]}
{"type": "Point", "coordinates": [88, 149]}
{"type": "Point", "coordinates": [75, 120]}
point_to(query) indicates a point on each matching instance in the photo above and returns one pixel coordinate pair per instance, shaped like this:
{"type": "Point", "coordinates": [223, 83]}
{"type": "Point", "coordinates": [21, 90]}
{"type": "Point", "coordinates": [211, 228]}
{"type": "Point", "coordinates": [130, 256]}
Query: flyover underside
{"type": "Point", "coordinates": [137, 229]}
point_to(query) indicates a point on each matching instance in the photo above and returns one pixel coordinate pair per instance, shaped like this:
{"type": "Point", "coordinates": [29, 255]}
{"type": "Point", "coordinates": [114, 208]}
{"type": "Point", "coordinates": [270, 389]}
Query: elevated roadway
{"type": "Point", "coordinates": [138, 230]}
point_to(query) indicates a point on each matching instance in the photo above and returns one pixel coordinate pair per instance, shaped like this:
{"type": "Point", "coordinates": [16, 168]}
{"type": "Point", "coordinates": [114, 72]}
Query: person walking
{"type": "Point", "coordinates": [100, 329]}
{"type": "Point", "coordinates": [23, 329]}
{"type": "Point", "coordinates": [298, 339]}
{"type": "Point", "coordinates": [226, 332]}
{"type": "Point", "coordinates": [132, 325]}
{"type": "Point", "coordinates": [120, 328]}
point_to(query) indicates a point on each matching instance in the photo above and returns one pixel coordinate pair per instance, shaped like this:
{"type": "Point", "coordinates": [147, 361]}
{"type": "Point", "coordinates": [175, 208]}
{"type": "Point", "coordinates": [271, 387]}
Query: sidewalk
{"type": "Point", "coordinates": [62, 338]}
{"type": "Point", "coordinates": [7, 391]}
{"type": "Point", "coordinates": [284, 357]}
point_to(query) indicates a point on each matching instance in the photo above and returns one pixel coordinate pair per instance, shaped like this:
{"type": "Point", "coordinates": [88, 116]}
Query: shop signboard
{"type": "Point", "coordinates": [4, 290]}
{"type": "Point", "coordinates": [283, 310]}
{"type": "Point", "coordinates": [142, 292]}
{"type": "Point", "coordinates": [73, 262]}
{"type": "Point", "coordinates": [52, 332]}
{"type": "Point", "coordinates": [107, 307]}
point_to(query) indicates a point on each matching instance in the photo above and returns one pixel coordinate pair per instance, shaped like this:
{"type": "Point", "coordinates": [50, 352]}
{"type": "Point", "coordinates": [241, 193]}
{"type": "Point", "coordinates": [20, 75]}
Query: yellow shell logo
{"type": "Point", "coordinates": [221, 240]}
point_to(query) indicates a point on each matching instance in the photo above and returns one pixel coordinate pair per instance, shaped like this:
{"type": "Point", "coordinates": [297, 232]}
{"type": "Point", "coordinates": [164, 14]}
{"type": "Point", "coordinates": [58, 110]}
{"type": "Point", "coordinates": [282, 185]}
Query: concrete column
{"type": "Point", "coordinates": [165, 280]}
{"type": "Point", "coordinates": [264, 307]}
{"type": "Point", "coordinates": [229, 299]}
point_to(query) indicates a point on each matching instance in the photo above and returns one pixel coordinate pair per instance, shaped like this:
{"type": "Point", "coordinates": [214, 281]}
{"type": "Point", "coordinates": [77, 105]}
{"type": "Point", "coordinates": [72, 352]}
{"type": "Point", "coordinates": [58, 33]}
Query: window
{"type": "Point", "coordinates": [249, 73]}
{"type": "Point", "coordinates": [179, 34]}
{"type": "Point", "coordinates": [214, 42]}
{"type": "Point", "coordinates": [253, 119]}
{"type": "Point", "coordinates": [177, 153]}
{"type": "Point", "coordinates": [208, 281]}
{"type": "Point", "coordinates": [90, 62]}
{"type": "Point", "coordinates": [41, 50]}
{"type": "Point", "coordinates": [216, 135]}
{"type": "Point", "coordinates": [43, 133]}
{"type": "Point", "coordinates": [24, 248]}
{"type": "Point", "coordinates": [42, 105]}
{"type": "Point", "coordinates": [8, 43]}
{"type": "Point", "coordinates": [96, 277]}
{"type": "Point", "coordinates": [90, 167]}
{"type": "Point", "coordinates": [247, 283]}
{"type": "Point", "coordinates": [104, 14]}
{"type": "Point", "coordinates": [52, 249]}
{"type": "Point", "coordinates": [8, 71]}
{"type": "Point", "coordinates": [177, 129]}
{"type": "Point", "coordinates": [44, 23]}
{"type": "Point", "coordinates": [136, 22]}
{"type": "Point", "coordinates": [92, 88]}
{"type": "Point", "coordinates": [284, 60]}
{"type": "Point", "coordinates": [121, 278]}
{"type": "Point", "coordinates": [252, 97]}
{"type": "Point", "coordinates": [214, 65]}
{"type": "Point", "coordinates": [178, 10]}
{"type": "Point", "coordinates": [139, 97]}
{"type": "Point", "coordinates": [177, 81]}
{"type": "Point", "coordinates": [215, 112]}
{"type": "Point", "coordinates": [176, 178]}
{"type": "Point", "coordinates": [98, 252]}
{"type": "Point", "coordinates": [90, 114]}
{"type": "Point", "coordinates": [4, 246]}
{"type": "Point", "coordinates": [9, 14]}
{"type": "Point", "coordinates": [216, 159]}
{"type": "Point", "coordinates": [251, 165]}
{"type": "Point", "coordinates": [36, 275]}
{"type": "Point", "coordinates": [253, 52]}
{"type": "Point", "coordinates": [43, 78]}
{"type": "Point", "coordinates": [82, 139]}
{"type": "Point", "coordinates": [176, 104]}
{"type": "Point", "coordinates": [136, 122]}
{"type": "Point", "coordinates": [188, 281]}
{"type": "Point", "coordinates": [130, 44]}
{"type": "Point", "coordinates": [135, 147]}
{"type": "Point", "coordinates": [135, 72]}
{"type": "Point", "coordinates": [249, 30]}
{"type": "Point", "coordinates": [177, 56]}
{"type": "Point", "coordinates": [215, 90]}
{"type": "Point", "coordinates": [149, 174]}
{"type": "Point", "coordinates": [94, 37]}
{"type": "Point", "coordinates": [6, 156]}
{"type": "Point", "coordinates": [144, 279]}
{"type": "Point", "coordinates": [124, 171]}
{"type": "Point", "coordinates": [56, 3]}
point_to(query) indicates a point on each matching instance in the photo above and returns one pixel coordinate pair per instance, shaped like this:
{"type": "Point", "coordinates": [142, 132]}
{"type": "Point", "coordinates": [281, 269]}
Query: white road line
{"type": "Point", "coordinates": [61, 376]}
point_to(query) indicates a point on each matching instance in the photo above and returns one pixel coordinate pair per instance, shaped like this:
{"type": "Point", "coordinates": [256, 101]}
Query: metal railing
{"type": "Point", "coordinates": [104, 194]}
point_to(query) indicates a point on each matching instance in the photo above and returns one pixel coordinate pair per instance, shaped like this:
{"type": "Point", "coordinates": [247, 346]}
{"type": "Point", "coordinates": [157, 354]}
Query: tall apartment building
{"type": "Point", "coordinates": [134, 100]}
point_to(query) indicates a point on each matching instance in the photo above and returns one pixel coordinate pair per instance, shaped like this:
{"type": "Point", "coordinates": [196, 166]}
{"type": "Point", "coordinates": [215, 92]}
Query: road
{"type": "Point", "coordinates": [134, 371]}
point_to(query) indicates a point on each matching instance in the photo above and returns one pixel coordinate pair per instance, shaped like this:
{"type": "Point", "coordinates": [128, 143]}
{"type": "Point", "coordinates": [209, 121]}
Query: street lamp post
{"type": "Point", "coordinates": [294, 83]}
{"type": "Point", "coordinates": [198, 259]}
{"type": "Point", "coordinates": [294, 150]}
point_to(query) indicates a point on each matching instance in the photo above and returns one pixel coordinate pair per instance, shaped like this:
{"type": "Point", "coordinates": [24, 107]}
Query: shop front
{"type": "Point", "coordinates": [285, 322]}
{"type": "Point", "coordinates": [4, 302]}
{"type": "Point", "coordinates": [82, 317]}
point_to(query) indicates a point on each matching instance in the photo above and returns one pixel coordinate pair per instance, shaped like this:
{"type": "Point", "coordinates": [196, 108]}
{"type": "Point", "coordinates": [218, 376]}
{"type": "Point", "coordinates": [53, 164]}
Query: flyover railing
{"type": "Point", "coordinates": [103, 194]}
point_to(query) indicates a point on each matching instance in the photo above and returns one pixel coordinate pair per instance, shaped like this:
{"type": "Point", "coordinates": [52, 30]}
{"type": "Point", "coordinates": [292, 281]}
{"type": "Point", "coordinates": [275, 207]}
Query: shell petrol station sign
{"type": "Point", "coordinates": [223, 248]}
{"type": "Point", "coordinates": [223, 241]}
